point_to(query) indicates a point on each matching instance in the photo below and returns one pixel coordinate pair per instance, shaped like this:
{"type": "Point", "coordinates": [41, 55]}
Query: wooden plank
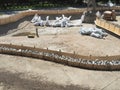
{"type": "Point", "coordinates": [112, 28]}
{"type": "Point", "coordinates": [102, 24]}
{"type": "Point", "coordinates": [117, 30]}
{"type": "Point", "coordinates": [107, 26]}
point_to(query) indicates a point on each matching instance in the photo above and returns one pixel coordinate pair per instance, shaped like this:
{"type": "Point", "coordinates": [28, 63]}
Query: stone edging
{"type": "Point", "coordinates": [87, 62]}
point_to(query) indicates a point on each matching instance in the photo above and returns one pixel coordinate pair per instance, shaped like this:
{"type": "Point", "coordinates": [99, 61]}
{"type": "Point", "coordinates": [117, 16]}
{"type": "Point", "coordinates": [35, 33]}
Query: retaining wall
{"type": "Point", "coordinates": [114, 28]}
{"type": "Point", "coordinates": [88, 62]}
{"type": "Point", "coordinates": [14, 18]}
{"type": "Point", "coordinates": [18, 16]}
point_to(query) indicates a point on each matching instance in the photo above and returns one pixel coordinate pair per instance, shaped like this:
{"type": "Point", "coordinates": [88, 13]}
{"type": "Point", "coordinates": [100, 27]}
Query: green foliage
{"type": "Point", "coordinates": [26, 4]}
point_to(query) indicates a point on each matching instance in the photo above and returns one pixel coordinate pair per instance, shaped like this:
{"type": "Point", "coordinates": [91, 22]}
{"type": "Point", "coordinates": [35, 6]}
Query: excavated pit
{"type": "Point", "coordinates": [67, 39]}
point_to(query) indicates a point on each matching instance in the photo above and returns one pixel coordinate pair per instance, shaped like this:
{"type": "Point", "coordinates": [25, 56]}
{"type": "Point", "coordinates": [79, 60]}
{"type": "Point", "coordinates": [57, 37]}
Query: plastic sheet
{"type": "Point", "coordinates": [62, 21]}
{"type": "Point", "coordinates": [35, 18]}
{"type": "Point", "coordinates": [94, 32]}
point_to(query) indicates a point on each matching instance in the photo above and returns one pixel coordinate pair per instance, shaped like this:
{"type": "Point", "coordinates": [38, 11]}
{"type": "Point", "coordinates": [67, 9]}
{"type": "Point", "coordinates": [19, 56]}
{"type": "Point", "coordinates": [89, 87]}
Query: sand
{"type": "Point", "coordinates": [67, 39]}
{"type": "Point", "coordinates": [20, 73]}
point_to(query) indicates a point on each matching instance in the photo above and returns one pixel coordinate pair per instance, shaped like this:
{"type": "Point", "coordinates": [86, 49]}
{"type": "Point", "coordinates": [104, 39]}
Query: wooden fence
{"type": "Point", "coordinates": [71, 59]}
{"type": "Point", "coordinates": [114, 28]}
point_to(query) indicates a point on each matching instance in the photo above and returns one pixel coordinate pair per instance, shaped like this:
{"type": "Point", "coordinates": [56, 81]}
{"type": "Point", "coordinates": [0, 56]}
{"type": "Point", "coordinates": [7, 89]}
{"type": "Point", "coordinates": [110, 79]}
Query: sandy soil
{"type": "Point", "coordinates": [66, 39]}
{"type": "Point", "coordinates": [20, 73]}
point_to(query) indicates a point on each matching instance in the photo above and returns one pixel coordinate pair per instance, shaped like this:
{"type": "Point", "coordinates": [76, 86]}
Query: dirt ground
{"type": "Point", "coordinates": [67, 39]}
{"type": "Point", "coordinates": [20, 73]}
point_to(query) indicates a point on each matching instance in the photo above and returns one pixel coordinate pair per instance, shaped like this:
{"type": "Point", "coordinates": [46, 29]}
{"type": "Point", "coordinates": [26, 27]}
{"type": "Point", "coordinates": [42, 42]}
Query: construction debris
{"type": "Point", "coordinates": [62, 21]}
{"type": "Point", "coordinates": [94, 32]}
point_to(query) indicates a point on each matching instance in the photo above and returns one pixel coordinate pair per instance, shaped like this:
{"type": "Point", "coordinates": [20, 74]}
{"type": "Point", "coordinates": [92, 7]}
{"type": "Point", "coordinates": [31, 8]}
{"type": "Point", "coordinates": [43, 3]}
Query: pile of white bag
{"type": "Point", "coordinates": [62, 21]}
{"type": "Point", "coordinates": [94, 32]}
{"type": "Point", "coordinates": [59, 22]}
{"type": "Point", "coordinates": [39, 22]}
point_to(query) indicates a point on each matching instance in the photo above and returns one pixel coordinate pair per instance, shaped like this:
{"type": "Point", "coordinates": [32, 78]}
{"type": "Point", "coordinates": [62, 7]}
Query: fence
{"type": "Point", "coordinates": [114, 28]}
{"type": "Point", "coordinates": [88, 62]}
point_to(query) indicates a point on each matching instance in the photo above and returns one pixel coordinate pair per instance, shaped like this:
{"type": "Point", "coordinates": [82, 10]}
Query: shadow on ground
{"type": "Point", "coordinates": [14, 82]}
{"type": "Point", "coordinates": [5, 28]}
